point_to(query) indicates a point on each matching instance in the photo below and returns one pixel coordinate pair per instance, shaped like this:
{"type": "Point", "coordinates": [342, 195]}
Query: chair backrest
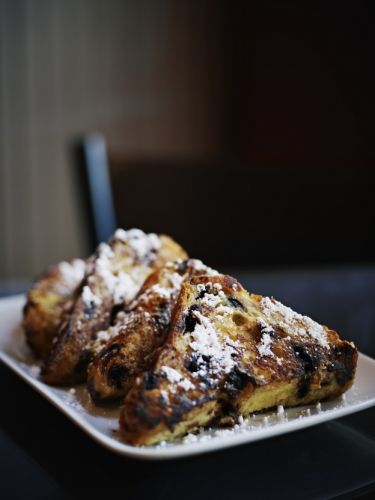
{"type": "Point", "coordinates": [94, 177]}
{"type": "Point", "coordinates": [230, 214]}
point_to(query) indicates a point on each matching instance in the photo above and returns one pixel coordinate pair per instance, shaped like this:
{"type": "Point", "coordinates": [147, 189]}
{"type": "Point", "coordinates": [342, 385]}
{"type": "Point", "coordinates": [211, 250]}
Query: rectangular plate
{"type": "Point", "coordinates": [102, 423]}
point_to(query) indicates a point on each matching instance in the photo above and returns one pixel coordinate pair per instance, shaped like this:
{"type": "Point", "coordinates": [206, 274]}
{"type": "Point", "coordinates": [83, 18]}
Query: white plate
{"type": "Point", "coordinates": [102, 423]}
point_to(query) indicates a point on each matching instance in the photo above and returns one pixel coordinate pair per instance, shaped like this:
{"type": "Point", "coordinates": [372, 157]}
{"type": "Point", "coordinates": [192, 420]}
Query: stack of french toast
{"type": "Point", "coordinates": [179, 345]}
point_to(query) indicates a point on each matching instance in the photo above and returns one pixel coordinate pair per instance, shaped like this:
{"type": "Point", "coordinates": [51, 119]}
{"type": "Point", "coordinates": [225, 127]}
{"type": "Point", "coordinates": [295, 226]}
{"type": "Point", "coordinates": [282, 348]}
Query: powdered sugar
{"type": "Point", "coordinates": [102, 339]}
{"type": "Point", "coordinates": [292, 322]}
{"type": "Point", "coordinates": [89, 298]}
{"type": "Point", "coordinates": [198, 265]}
{"type": "Point", "coordinates": [122, 286]}
{"type": "Point", "coordinates": [175, 377]}
{"type": "Point", "coordinates": [186, 384]}
{"type": "Point", "coordinates": [206, 341]}
{"type": "Point", "coordinates": [264, 348]}
{"type": "Point", "coordinates": [34, 370]}
{"type": "Point", "coordinates": [162, 292]}
{"type": "Point", "coordinates": [223, 310]}
{"type": "Point", "coordinates": [121, 235]}
{"type": "Point", "coordinates": [103, 336]}
{"type": "Point", "coordinates": [211, 300]}
{"type": "Point", "coordinates": [72, 272]}
{"type": "Point", "coordinates": [103, 266]}
{"type": "Point", "coordinates": [176, 280]}
{"type": "Point", "coordinates": [141, 243]}
{"type": "Point", "coordinates": [165, 396]}
{"type": "Point", "coordinates": [216, 300]}
{"type": "Point", "coordinates": [125, 288]}
{"type": "Point", "coordinates": [171, 374]}
{"type": "Point", "coordinates": [169, 282]}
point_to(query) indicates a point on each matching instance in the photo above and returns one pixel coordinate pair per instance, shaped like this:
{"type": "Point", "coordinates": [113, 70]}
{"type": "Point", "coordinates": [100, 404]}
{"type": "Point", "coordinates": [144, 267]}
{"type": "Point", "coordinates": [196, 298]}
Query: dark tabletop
{"type": "Point", "coordinates": [44, 456]}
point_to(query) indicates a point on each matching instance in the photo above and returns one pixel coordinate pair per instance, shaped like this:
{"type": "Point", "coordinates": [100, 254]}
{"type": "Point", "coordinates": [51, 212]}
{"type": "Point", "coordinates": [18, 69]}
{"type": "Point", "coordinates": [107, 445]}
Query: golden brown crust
{"type": "Point", "coordinates": [229, 353]}
{"type": "Point", "coordinates": [114, 276]}
{"type": "Point", "coordinates": [135, 337]}
{"type": "Point", "coordinates": [48, 303]}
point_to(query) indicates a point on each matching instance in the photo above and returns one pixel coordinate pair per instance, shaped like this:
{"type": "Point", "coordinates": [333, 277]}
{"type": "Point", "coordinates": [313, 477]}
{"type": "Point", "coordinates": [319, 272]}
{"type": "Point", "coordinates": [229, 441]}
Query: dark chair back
{"type": "Point", "coordinates": [93, 174]}
{"type": "Point", "coordinates": [242, 215]}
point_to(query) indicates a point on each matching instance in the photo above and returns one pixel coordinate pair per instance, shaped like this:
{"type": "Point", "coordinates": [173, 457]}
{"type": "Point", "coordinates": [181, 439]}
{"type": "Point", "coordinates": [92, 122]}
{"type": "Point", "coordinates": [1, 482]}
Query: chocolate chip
{"type": "Point", "coordinates": [303, 386]}
{"type": "Point", "coordinates": [182, 266]}
{"type": "Point", "coordinates": [117, 374]}
{"type": "Point", "coordinates": [201, 294]}
{"type": "Point", "coordinates": [266, 329]}
{"type": "Point", "coordinates": [150, 380]}
{"type": "Point", "coordinates": [345, 363]}
{"type": "Point", "coordinates": [190, 318]}
{"type": "Point", "coordinates": [90, 308]}
{"type": "Point", "coordinates": [237, 380]}
{"type": "Point", "coordinates": [305, 359]}
{"type": "Point", "coordinates": [308, 364]}
{"type": "Point", "coordinates": [116, 309]}
{"type": "Point", "coordinates": [83, 361]}
{"type": "Point", "coordinates": [193, 365]}
{"type": "Point", "coordinates": [197, 362]}
{"type": "Point", "coordinates": [235, 303]}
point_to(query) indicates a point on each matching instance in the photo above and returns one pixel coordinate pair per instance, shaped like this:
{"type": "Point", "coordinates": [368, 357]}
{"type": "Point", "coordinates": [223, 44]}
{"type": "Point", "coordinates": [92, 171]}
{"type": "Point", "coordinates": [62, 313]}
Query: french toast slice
{"type": "Point", "coordinates": [114, 276]}
{"type": "Point", "coordinates": [130, 345]}
{"type": "Point", "coordinates": [231, 353]}
{"type": "Point", "coordinates": [48, 302]}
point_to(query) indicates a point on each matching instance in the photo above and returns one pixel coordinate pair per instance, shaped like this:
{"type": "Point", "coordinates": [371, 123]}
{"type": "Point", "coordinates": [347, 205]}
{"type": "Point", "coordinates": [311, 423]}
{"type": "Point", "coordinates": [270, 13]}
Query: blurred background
{"type": "Point", "coordinates": [244, 129]}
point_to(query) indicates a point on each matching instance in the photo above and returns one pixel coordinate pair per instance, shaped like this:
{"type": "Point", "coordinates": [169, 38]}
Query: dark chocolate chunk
{"type": "Point", "coordinates": [305, 359]}
{"type": "Point", "coordinates": [190, 318]}
{"type": "Point", "coordinates": [193, 365]}
{"type": "Point", "coordinates": [303, 386]}
{"type": "Point", "coordinates": [197, 362]}
{"type": "Point", "coordinates": [182, 266]}
{"type": "Point", "coordinates": [150, 380]}
{"type": "Point", "coordinates": [201, 294]}
{"type": "Point", "coordinates": [235, 303]}
{"type": "Point", "coordinates": [345, 363]}
{"type": "Point", "coordinates": [308, 364]}
{"type": "Point", "coordinates": [266, 329]}
{"type": "Point", "coordinates": [117, 374]}
{"type": "Point", "coordinates": [83, 361]}
{"type": "Point", "coordinates": [228, 414]}
{"type": "Point", "coordinates": [237, 380]}
{"type": "Point", "coordinates": [90, 308]}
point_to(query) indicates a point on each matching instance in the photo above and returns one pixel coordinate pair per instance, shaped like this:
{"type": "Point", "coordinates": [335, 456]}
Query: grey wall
{"type": "Point", "coordinates": [135, 70]}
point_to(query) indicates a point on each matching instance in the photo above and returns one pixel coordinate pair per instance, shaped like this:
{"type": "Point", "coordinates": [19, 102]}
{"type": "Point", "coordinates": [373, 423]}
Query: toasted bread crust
{"type": "Point", "coordinates": [48, 302]}
{"type": "Point", "coordinates": [114, 276]}
{"type": "Point", "coordinates": [229, 353]}
{"type": "Point", "coordinates": [138, 334]}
